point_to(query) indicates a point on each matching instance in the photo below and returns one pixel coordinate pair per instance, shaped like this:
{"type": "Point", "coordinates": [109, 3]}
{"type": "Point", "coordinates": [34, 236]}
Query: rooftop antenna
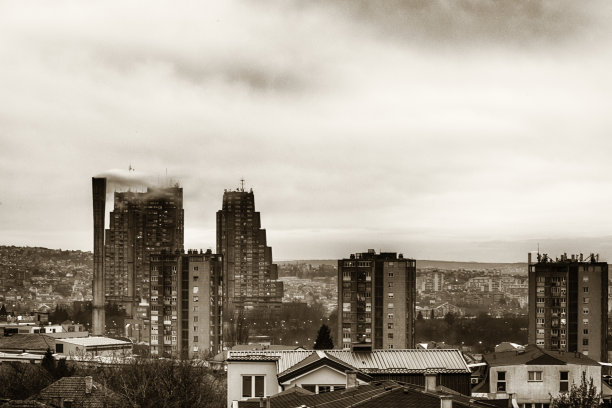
{"type": "Point", "coordinates": [242, 184]}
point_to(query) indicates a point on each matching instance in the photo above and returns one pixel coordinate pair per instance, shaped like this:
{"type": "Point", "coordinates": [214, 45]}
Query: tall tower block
{"type": "Point", "coordinates": [98, 186]}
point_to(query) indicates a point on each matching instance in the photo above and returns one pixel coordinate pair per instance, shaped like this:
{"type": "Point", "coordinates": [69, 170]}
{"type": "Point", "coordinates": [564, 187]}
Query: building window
{"type": "Point", "coordinates": [195, 298]}
{"type": "Point", "coordinates": [252, 386]}
{"type": "Point", "coordinates": [390, 284]}
{"type": "Point", "coordinates": [390, 305]}
{"type": "Point", "coordinates": [535, 376]}
{"type": "Point", "coordinates": [564, 381]}
{"type": "Point", "coordinates": [539, 342]}
{"type": "Point", "coordinates": [195, 268]}
{"type": "Point", "coordinates": [390, 326]}
{"type": "Point", "coordinates": [195, 319]}
{"type": "Point", "coordinates": [585, 321]}
{"type": "Point", "coordinates": [585, 332]}
{"type": "Point", "coordinates": [585, 289]}
{"type": "Point", "coordinates": [195, 339]}
{"type": "Point", "coordinates": [195, 278]}
{"type": "Point", "coordinates": [585, 300]}
{"type": "Point", "coordinates": [390, 316]}
{"type": "Point", "coordinates": [390, 295]}
{"type": "Point", "coordinates": [59, 348]}
{"type": "Point", "coordinates": [585, 278]}
{"type": "Point", "coordinates": [501, 381]}
{"type": "Point", "coordinates": [390, 274]}
{"type": "Point", "coordinates": [585, 342]}
{"type": "Point", "coordinates": [390, 335]}
{"type": "Point", "coordinates": [585, 310]}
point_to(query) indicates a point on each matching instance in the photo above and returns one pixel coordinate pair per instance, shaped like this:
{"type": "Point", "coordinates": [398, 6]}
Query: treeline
{"type": "Point", "coordinates": [482, 333]}
{"type": "Point", "coordinates": [141, 383]}
{"type": "Point", "coordinates": [80, 312]}
{"type": "Point", "coordinates": [294, 324]}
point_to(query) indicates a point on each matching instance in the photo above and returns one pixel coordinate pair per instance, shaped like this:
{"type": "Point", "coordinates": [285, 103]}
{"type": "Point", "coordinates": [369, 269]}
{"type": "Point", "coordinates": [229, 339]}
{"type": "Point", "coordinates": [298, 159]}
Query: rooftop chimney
{"type": "Point", "coordinates": [446, 401]}
{"type": "Point", "coordinates": [351, 379]}
{"type": "Point", "coordinates": [88, 384]}
{"type": "Point", "coordinates": [431, 380]}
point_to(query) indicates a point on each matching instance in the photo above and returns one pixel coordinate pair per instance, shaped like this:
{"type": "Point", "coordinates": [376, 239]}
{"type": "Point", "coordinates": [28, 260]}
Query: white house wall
{"type": "Point", "coordinates": [237, 369]}
{"type": "Point", "coordinates": [539, 391]}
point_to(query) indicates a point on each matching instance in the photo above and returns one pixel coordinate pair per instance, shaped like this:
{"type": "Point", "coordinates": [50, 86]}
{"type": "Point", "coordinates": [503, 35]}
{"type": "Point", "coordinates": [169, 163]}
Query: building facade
{"type": "Point", "coordinates": [186, 304]}
{"type": "Point", "coordinates": [532, 376]}
{"type": "Point", "coordinates": [568, 305]}
{"type": "Point", "coordinates": [141, 224]}
{"type": "Point", "coordinates": [376, 300]}
{"type": "Point", "coordinates": [250, 276]}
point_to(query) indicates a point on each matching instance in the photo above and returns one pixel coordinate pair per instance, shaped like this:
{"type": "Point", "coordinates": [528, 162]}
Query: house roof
{"type": "Point", "coordinates": [24, 404]}
{"type": "Point", "coordinates": [388, 394]}
{"type": "Point", "coordinates": [534, 355]}
{"type": "Point", "coordinates": [74, 388]}
{"type": "Point", "coordinates": [318, 359]}
{"type": "Point", "coordinates": [27, 342]}
{"type": "Point", "coordinates": [94, 341]}
{"type": "Point", "coordinates": [394, 361]}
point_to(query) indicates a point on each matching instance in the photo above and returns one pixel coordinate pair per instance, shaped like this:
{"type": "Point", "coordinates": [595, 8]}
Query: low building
{"type": "Point", "coordinates": [88, 347]}
{"type": "Point", "coordinates": [27, 343]}
{"type": "Point", "coordinates": [262, 373]}
{"type": "Point", "coordinates": [532, 376]}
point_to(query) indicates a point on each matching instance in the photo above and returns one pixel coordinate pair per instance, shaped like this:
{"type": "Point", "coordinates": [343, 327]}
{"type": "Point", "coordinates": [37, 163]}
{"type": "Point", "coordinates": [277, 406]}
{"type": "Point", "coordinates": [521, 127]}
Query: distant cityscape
{"type": "Point", "coordinates": [267, 328]}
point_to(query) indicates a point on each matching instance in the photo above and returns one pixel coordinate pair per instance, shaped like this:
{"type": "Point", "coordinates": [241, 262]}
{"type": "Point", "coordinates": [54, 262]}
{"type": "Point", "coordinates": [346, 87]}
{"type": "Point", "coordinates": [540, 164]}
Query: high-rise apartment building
{"type": "Point", "coordinates": [141, 223]}
{"type": "Point", "coordinates": [250, 276]}
{"type": "Point", "coordinates": [568, 304]}
{"type": "Point", "coordinates": [376, 301]}
{"type": "Point", "coordinates": [186, 304]}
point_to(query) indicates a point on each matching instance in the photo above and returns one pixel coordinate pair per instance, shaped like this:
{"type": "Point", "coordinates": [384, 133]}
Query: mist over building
{"type": "Point", "coordinates": [141, 224]}
{"type": "Point", "coordinates": [250, 276]}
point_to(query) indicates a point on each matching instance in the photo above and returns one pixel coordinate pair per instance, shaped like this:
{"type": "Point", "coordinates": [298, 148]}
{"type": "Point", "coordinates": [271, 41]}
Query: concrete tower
{"type": "Point", "coordinates": [98, 186]}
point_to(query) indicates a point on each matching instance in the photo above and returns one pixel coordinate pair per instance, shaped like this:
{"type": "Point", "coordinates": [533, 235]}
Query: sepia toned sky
{"type": "Point", "coordinates": [443, 129]}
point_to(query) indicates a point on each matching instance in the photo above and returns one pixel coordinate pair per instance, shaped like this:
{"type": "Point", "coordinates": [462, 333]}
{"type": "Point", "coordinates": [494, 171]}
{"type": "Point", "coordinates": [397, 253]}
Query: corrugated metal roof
{"type": "Point", "coordinates": [377, 361]}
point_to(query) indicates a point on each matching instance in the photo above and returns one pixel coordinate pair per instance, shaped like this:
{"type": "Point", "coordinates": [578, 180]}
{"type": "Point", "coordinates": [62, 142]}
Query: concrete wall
{"type": "Point", "coordinates": [525, 391]}
{"type": "Point", "coordinates": [235, 371]}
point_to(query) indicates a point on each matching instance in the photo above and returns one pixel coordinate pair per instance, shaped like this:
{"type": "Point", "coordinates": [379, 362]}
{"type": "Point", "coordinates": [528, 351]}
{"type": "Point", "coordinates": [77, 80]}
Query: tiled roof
{"type": "Point", "coordinates": [38, 342]}
{"type": "Point", "coordinates": [74, 389]}
{"type": "Point", "coordinates": [388, 394]}
{"type": "Point", "coordinates": [24, 404]}
{"type": "Point", "coordinates": [537, 356]}
{"type": "Point", "coordinates": [377, 361]}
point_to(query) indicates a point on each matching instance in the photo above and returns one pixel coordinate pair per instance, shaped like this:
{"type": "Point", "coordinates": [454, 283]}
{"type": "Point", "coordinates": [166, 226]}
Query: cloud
{"type": "Point", "coordinates": [461, 22]}
{"type": "Point", "coordinates": [400, 124]}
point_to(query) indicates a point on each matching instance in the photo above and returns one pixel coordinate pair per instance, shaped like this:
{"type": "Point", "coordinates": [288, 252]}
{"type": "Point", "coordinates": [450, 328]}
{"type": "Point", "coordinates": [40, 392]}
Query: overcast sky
{"type": "Point", "coordinates": [443, 129]}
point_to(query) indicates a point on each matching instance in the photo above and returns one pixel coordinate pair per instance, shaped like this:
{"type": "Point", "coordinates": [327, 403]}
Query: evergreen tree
{"type": "Point", "coordinates": [584, 395]}
{"type": "Point", "coordinates": [62, 369]}
{"type": "Point", "coordinates": [48, 362]}
{"type": "Point", "coordinates": [324, 340]}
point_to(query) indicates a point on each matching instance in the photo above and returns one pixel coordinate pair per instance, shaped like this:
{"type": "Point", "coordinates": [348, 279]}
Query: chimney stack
{"type": "Point", "coordinates": [351, 379]}
{"type": "Point", "coordinates": [98, 187]}
{"type": "Point", "coordinates": [446, 401]}
{"type": "Point", "coordinates": [431, 380]}
{"type": "Point", "coordinates": [88, 384]}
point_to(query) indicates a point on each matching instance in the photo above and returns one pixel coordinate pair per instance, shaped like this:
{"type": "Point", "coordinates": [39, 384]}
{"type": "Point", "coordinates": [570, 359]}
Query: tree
{"type": "Point", "coordinates": [420, 316]}
{"type": "Point", "coordinates": [432, 315]}
{"type": "Point", "coordinates": [584, 395]}
{"type": "Point", "coordinates": [48, 361]}
{"type": "Point", "coordinates": [62, 369]}
{"type": "Point", "coordinates": [324, 340]}
{"type": "Point", "coordinates": [449, 318]}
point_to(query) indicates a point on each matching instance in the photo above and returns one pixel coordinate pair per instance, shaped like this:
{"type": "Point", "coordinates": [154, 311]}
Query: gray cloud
{"type": "Point", "coordinates": [520, 22]}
